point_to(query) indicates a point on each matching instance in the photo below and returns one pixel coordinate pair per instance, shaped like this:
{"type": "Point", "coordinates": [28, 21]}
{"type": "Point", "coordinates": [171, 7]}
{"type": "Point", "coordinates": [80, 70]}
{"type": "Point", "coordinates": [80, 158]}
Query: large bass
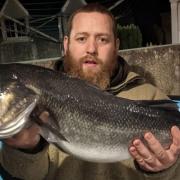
{"type": "Point", "coordinates": [86, 122]}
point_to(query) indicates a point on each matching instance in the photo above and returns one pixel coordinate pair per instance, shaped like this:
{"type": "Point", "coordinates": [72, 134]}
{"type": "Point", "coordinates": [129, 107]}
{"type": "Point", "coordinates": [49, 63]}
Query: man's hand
{"type": "Point", "coordinates": [27, 138]}
{"type": "Point", "coordinates": [155, 158]}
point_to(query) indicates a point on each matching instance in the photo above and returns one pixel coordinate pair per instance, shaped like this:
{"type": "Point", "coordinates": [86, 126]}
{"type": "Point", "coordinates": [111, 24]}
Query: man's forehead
{"type": "Point", "coordinates": [82, 19]}
{"type": "Point", "coordinates": [91, 14]}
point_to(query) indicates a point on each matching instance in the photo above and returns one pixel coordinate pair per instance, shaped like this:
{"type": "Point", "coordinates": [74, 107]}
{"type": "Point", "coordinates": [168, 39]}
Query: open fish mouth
{"type": "Point", "coordinates": [16, 104]}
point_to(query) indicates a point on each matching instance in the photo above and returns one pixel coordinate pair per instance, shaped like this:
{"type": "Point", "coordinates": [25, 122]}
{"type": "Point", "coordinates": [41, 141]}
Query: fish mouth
{"type": "Point", "coordinates": [16, 104]}
{"type": "Point", "coordinates": [16, 125]}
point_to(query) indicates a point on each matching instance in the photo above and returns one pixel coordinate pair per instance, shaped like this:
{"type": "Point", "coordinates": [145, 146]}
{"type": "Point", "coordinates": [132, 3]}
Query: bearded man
{"type": "Point", "coordinates": [91, 53]}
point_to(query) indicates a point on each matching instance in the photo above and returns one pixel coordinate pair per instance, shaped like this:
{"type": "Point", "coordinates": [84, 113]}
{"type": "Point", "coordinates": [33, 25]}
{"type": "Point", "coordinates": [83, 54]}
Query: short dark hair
{"type": "Point", "coordinates": [92, 7]}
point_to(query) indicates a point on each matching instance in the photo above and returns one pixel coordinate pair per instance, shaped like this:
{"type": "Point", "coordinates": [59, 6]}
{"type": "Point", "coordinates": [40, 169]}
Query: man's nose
{"type": "Point", "coordinates": [92, 47]}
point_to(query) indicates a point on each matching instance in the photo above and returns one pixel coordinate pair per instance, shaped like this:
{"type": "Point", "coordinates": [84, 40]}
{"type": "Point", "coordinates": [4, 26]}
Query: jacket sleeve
{"type": "Point", "coordinates": [24, 166]}
{"type": "Point", "coordinates": [172, 173]}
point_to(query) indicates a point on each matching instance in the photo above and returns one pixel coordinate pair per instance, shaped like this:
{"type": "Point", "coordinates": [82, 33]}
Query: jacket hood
{"type": "Point", "coordinates": [124, 78]}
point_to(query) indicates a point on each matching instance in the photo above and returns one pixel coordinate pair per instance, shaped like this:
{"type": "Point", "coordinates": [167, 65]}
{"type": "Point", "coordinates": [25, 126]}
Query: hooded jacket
{"type": "Point", "coordinates": [51, 163]}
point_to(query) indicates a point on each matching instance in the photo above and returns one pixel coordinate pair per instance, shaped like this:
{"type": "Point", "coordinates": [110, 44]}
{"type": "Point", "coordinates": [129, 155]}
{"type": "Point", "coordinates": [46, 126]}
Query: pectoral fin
{"type": "Point", "coordinates": [49, 130]}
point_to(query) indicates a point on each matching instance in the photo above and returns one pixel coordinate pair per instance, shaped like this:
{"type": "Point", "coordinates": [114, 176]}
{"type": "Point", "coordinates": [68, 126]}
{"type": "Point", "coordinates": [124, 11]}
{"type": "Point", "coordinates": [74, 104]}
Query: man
{"type": "Point", "coordinates": [91, 53]}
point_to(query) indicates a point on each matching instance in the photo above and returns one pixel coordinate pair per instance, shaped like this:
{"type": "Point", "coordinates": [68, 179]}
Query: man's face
{"type": "Point", "coordinates": [91, 49]}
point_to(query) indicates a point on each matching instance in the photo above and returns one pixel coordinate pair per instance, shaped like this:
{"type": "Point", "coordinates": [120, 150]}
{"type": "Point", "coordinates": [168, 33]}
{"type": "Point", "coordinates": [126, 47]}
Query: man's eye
{"type": "Point", "coordinates": [103, 40]}
{"type": "Point", "coordinates": [81, 39]}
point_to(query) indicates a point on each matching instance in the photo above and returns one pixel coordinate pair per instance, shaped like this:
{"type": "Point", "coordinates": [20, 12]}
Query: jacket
{"type": "Point", "coordinates": [51, 163]}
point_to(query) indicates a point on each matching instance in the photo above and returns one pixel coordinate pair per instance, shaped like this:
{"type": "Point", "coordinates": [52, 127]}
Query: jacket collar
{"type": "Point", "coordinates": [123, 78]}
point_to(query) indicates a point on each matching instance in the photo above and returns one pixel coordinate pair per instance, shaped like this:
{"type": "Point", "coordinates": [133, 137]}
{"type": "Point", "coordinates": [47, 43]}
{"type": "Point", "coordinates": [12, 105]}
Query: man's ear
{"type": "Point", "coordinates": [117, 44]}
{"type": "Point", "coordinates": [65, 42]}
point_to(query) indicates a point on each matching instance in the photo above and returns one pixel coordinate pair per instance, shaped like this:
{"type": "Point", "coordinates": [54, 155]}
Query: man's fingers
{"type": "Point", "coordinates": [136, 156]}
{"type": "Point", "coordinates": [44, 116]}
{"type": "Point", "coordinates": [176, 137]}
{"type": "Point", "coordinates": [144, 152]}
{"type": "Point", "coordinates": [139, 159]}
{"type": "Point", "coordinates": [156, 148]}
{"type": "Point", "coordinates": [175, 146]}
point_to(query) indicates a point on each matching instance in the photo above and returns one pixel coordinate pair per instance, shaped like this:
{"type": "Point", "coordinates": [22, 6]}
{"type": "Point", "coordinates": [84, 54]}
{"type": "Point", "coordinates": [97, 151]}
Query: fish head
{"type": "Point", "coordinates": [16, 103]}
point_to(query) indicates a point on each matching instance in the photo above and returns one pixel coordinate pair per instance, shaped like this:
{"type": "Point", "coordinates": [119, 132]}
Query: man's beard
{"type": "Point", "coordinates": [99, 78]}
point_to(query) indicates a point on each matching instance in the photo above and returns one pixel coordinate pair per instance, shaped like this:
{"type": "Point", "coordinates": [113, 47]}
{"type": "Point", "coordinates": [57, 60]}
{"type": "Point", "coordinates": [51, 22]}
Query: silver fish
{"type": "Point", "coordinates": [86, 122]}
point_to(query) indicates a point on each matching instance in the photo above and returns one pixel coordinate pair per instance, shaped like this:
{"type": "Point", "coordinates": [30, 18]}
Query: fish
{"type": "Point", "coordinates": [85, 121]}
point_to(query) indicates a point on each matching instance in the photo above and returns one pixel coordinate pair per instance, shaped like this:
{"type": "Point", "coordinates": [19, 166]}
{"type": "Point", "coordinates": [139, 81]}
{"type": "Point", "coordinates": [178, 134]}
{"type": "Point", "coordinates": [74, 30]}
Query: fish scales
{"type": "Point", "coordinates": [96, 125]}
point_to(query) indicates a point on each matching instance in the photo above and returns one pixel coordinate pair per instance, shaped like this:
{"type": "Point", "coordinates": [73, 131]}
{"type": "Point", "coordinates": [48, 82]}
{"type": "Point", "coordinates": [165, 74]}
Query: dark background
{"type": "Point", "coordinates": [151, 16]}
